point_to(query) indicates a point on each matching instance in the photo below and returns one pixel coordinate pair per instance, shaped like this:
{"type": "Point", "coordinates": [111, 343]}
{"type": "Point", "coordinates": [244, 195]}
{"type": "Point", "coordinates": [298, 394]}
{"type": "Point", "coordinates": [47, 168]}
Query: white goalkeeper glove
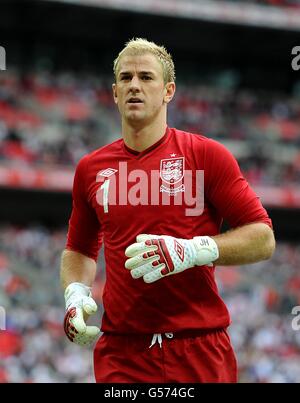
{"type": "Point", "coordinates": [154, 257]}
{"type": "Point", "coordinates": [79, 303]}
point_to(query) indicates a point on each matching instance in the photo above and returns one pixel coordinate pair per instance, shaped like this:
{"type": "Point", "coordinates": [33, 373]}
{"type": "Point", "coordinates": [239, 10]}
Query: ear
{"type": "Point", "coordinates": [115, 93]}
{"type": "Point", "coordinates": [170, 89]}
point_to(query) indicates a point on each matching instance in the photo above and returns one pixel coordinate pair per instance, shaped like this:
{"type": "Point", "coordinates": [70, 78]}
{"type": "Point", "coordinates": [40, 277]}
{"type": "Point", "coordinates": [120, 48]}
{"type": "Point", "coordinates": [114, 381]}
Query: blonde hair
{"type": "Point", "coordinates": [140, 46]}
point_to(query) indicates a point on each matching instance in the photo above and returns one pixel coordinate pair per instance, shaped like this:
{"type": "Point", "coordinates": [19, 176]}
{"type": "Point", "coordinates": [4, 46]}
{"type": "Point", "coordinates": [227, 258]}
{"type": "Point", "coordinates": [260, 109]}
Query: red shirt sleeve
{"type": "Point", "coordinates": [84, 234]}
{"type": "Point", "coordinates": [227, 189]}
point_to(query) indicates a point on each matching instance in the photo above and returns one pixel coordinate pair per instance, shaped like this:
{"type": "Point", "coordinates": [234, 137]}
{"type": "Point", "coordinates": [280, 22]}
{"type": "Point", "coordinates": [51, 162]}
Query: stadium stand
{"type": "Point", "coordinates": [48, 118]}
{"type": "Point", "coordinates": [274, 3]}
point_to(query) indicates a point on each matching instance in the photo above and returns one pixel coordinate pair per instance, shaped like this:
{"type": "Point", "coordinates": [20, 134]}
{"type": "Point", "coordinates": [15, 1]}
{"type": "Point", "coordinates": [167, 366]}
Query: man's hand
{"type": "Point", "coordinates": [79, 306]}
{"type": "Point", "coordinates": [154, 257]}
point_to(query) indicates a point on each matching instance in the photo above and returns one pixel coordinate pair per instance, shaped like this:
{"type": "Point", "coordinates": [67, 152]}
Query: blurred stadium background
{"type": "Point", "coordinates": [235, 84]}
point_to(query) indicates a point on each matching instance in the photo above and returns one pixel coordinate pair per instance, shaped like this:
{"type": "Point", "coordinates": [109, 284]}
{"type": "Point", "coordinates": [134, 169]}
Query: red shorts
{"type": "Point", "coordinates": [185, 357]}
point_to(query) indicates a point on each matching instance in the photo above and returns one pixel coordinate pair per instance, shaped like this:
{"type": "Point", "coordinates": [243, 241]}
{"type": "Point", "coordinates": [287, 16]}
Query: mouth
{"type": "Point", "coordinates": [134, 100]}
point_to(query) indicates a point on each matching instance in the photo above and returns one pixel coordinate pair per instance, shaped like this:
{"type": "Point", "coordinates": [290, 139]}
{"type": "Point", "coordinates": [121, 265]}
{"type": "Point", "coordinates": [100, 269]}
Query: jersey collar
{"type": "Point", "coordinates": [162, 140]}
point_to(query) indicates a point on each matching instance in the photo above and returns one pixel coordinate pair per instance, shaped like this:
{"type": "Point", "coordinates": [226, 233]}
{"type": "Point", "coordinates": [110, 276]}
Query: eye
{"type": "Point", "coordinates": [146, 78]}
{"type": "Point", "coordinates": [125, 78]}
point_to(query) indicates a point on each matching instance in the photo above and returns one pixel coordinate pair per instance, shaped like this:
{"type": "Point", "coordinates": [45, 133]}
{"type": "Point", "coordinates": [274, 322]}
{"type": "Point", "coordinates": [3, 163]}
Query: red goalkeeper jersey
{"type": "Point", "coordinates": [184, 186]}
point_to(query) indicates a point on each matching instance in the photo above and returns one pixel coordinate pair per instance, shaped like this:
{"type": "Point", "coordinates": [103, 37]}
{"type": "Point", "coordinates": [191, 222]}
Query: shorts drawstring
{"type": "Point", "coordinates": [158, 337]}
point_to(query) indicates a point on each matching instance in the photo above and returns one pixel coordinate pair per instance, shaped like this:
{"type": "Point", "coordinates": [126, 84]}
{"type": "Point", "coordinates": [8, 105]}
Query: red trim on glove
{"type": "Point", "coordinates": [164, 255]}
{"type": "Point", "coordinates": [68, 327]}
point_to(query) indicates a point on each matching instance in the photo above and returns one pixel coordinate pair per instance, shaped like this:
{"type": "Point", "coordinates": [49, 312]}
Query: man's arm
{"type": "Point", "coordinates": [251, 238]}
{"type": "Point", "coordinates": [78, 262]}
{"type": "Point", "coordinates": [154, 257]}
{"type": "Point", "coordinates": [77, 275]}
{"type": "Point", "coordinates": [247, 244]}
{"type": "Point", "coordinates": [76, 268]}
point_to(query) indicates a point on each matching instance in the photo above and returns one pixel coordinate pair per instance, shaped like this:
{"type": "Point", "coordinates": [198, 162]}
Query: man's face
{"type": "Point", "coordinates": [139, 91]}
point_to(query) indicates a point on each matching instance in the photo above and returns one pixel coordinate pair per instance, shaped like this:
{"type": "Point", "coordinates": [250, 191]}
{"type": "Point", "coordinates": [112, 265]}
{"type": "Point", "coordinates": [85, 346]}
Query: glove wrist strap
{"type": "Point", "coordinates": [78, 289]}
{"type": "Point", "coordinates": [206, 250]}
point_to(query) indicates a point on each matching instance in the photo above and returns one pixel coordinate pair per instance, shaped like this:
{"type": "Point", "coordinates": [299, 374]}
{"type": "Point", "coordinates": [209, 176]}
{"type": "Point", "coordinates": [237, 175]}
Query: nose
{"type": "Point", "coordinates": [135, 84]}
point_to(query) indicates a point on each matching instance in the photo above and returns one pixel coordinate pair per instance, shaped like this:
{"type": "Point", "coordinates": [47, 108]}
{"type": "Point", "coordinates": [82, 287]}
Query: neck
{"type": "Point", "coordinates": [140, 138]}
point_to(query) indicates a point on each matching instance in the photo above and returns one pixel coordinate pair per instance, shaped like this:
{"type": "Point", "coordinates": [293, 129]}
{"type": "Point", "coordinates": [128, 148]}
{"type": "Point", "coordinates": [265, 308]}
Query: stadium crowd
{"type": "Point", "coordinates": [33, 348]}
{"type": "Point", "coordinates": [275, 3]}
{"type": "Point", "coordinates": [51, 119]}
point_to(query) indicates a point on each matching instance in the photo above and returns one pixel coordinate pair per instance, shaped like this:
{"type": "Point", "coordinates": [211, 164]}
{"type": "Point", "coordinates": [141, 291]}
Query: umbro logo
{"type": "Point", "coordinates": [179, 249]}
{"type": "Point", "coordinates": [107, 172]}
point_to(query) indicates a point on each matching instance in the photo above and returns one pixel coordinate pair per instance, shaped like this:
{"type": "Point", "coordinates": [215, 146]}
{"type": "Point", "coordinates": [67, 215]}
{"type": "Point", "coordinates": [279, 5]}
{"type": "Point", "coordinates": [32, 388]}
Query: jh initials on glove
{"type": "Point", "coordinates": [79, 303]}
{"type": "Point", "coordinates": [156, 256]}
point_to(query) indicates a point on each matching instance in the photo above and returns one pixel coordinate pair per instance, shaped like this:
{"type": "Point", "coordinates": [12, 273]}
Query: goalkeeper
{"type": "Point", "coordinates": [163, 320]}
